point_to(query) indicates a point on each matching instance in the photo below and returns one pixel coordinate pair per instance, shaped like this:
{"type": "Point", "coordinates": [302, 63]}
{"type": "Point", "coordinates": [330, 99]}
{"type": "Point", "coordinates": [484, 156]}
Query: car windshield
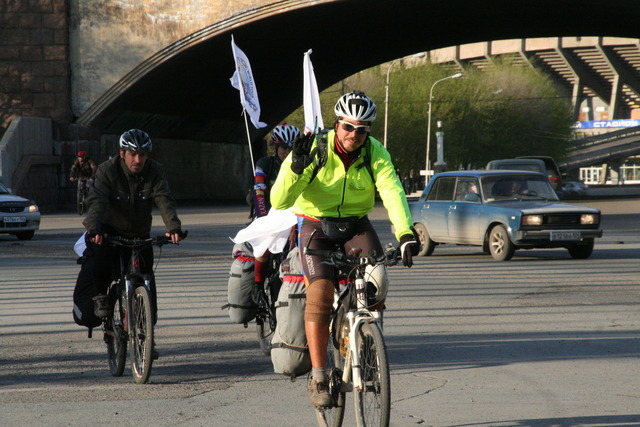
{"type": "Point", "coordinates": [4, 190]}
{"type": "Point", "coordinates": [517, 187]}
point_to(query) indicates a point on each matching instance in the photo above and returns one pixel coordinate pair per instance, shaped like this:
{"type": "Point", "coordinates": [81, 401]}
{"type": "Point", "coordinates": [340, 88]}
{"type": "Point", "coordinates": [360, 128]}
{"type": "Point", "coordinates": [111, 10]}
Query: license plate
{"type": "Point", "coordinates": [8, 219]}
{"type": "Point", "coordinates": [565, 235]}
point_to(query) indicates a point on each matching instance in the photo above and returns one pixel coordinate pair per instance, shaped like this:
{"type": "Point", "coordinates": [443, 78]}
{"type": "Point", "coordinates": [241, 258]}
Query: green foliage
{"type": "Point", "coordinates": [502, 112]}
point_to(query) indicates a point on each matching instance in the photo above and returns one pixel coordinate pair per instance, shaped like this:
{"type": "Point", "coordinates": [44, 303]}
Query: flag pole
{"type": "Point", "coordinates": [246, 124]}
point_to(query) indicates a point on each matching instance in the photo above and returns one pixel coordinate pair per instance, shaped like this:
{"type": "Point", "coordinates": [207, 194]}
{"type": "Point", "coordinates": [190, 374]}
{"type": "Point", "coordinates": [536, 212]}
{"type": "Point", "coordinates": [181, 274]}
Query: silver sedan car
{"type": "Point", "coordinates": [18, 216]}
{"type": "Point", "coordinates": [501, 211]}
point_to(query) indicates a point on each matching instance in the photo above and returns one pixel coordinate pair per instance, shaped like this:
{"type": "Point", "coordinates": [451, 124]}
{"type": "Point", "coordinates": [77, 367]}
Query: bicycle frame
{"type": "Point", "coordinates": [132, 276]}
{"type": "Point", "coordinates": [356, 317]}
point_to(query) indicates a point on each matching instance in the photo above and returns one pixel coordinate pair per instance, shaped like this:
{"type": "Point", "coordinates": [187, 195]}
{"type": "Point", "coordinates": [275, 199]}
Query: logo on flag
{"type": "Point", "coordinates": [243, 80]}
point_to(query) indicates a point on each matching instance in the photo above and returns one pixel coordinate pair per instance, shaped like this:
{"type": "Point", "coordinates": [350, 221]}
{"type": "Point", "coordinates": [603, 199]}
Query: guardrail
{"type": "Point", "coordinates": [628, 145]}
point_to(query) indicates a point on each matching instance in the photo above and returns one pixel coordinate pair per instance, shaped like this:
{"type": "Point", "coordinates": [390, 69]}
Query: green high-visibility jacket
{"type": "Point", "coordinates": [337, 193]}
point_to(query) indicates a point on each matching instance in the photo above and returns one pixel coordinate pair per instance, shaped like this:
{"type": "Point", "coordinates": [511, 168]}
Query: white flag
{"type": "Point", "coordinates": [242, 80]}
{"type": "Point", "coordinates": [268, 232]}
{"type": "Point", "coordinates": [311, 100]}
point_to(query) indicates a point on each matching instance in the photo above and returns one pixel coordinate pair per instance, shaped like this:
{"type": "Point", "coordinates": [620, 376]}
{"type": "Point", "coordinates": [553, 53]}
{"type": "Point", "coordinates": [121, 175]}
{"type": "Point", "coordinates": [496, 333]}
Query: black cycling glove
{"type": "Point", "coordinates": [302, 155]}
{"type": "Point", "coordinates": [409, 248]}
{"type": "Point", "coordinates": [179, 232]}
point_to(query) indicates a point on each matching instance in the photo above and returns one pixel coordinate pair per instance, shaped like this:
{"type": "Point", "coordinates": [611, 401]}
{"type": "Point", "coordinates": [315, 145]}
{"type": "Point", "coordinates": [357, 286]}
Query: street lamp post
{"type": "Point", "coordinates": [455, 76]}
{"type": "Point", "coordinates": [386, 95]}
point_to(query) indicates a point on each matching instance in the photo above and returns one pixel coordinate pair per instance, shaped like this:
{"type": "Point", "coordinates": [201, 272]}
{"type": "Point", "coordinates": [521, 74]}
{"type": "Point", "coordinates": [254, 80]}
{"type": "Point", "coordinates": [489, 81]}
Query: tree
{"type": "Point", "coordinates": [502, 112]}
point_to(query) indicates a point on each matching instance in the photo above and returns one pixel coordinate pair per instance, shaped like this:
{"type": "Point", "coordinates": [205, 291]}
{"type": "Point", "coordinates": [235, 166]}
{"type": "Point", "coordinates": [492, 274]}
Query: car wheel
{"type": "Point", "coordinates": [25, 235]}
{"type": "Point", "coordinates": [426, 244]}
{"type": "Point", "coordinates": [500, 246]}
{"type": "Point", "coordinates": [581, 251]}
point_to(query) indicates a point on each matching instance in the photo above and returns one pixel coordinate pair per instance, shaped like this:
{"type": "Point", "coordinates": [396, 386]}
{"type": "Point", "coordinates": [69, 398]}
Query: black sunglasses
{"type": "Point", "coordinates": [350, 127]}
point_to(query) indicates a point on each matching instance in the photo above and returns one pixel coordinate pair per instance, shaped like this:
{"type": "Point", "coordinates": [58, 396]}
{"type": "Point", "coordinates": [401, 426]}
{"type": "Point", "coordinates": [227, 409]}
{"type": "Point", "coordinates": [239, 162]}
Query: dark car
{"type": "Point", "coordinates": [574, 189]}
{"type": "Point", "coordinates": [553, 171]}
{"type": "Point", "coordinates": [502, 211]}
{"type": "Point", "coordinates": [533, 165]}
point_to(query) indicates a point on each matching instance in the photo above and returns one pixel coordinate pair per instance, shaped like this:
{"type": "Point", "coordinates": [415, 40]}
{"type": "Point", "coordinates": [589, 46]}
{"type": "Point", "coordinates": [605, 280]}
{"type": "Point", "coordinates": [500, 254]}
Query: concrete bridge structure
{"type": "Point", "coordinates": [97, 68]}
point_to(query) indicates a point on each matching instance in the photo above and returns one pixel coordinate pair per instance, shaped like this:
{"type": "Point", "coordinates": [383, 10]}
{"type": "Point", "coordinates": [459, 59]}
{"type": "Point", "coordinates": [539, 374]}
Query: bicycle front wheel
{"type": "Point", "coordinates": [373, 402]}
{"type": "Point", "coordinates": [141, 335]}
{"type": "Point", "coordinates": [115, 337]}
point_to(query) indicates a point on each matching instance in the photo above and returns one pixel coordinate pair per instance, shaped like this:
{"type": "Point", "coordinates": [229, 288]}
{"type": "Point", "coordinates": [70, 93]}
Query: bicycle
{"type": "Point", "coordinates": [83, 192]}
{"type": "Point", "coordinates": [357, 354]}
{"type": "Point", "coordinates": [266, 297]}
{"type": "Point", "coordinates": [131, 320]}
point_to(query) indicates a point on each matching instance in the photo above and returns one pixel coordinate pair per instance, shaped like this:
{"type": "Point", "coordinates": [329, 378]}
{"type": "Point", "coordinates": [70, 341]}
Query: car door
{"type": "Point", "coordinates": [435, 207]}
{"type": "Point", "coordinates": [464, 212]}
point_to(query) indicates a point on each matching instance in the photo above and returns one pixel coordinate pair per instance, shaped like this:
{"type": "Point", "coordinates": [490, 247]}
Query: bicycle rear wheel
{"type": "Point", "coordinates": [115, 336]}
{"type": "Point", "coordinates": [80, 203]}
{"type": "Point", "coordinates": [373, 402]}
{"type": "Point", "coordinates": [266, 316]}
{"type": "Point", "coordinates": [333, 417]}
{"type": "Point", "coordinates": [141, 335]}
{"type": "Point", "coordinates": [265, 333]}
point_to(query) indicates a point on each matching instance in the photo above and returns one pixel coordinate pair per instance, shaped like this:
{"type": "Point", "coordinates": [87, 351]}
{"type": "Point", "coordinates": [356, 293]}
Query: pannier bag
{"type": "Point", "coordinates": [83, 294]}
{"type": "Point", "coordinates": [83, 308]}
{"type": "Point", "coordinates": [242, 307]}
{"type": "Point", "coordinates": [289, 349]}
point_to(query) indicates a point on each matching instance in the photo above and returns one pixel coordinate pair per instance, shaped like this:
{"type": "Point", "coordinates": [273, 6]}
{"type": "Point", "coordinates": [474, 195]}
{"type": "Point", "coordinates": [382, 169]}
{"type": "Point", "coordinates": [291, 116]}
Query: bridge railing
{"type": "Point", "coordinates": [586, 151]}
{"type": "Point", "coordinates": [607, 137]}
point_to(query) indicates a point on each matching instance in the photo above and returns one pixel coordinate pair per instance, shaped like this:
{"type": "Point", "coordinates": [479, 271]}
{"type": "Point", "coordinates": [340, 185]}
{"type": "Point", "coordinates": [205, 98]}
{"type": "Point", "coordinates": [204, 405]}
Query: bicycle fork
{"type": "Point", "coordinates": [356, 319]}
{"type": "Point", "coordinates": [129, 295]}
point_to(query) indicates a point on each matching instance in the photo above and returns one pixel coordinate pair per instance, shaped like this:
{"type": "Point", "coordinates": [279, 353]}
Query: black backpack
{"type": "Point", "coordinates": [321, 157]}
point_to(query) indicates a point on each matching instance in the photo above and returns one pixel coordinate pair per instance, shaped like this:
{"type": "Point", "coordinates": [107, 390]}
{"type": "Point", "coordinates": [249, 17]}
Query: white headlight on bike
{"type": "Point", "coordinates": [377, 283]}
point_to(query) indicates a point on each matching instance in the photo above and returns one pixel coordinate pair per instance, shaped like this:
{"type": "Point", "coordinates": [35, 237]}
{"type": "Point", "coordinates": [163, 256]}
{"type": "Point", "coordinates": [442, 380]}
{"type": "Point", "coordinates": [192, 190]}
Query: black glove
{"type": "Point", "coordinates": [179, 232]}
{"type": "Point", "coordinates": [409, 248]}
{"type": "Point", "coordinates": [301, 155]}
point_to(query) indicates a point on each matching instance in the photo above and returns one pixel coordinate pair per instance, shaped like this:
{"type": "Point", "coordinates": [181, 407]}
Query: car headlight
{"type": "Point", "coordinates": [32, 208]}
{"type": "Point", "coordinates": [589, 219]}
{"type": "Point", "coordinates": [531, 219]}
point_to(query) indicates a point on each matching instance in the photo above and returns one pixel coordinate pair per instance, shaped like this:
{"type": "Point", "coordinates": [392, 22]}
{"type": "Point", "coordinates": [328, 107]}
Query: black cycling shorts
{"type": "Point", "coordinates": [366, 239]}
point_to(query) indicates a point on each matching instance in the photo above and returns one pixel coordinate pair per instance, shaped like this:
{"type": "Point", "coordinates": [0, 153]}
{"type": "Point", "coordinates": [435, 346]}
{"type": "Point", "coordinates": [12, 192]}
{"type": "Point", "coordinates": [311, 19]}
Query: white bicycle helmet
{"type": "Point", "coordinates": [377, 283]}
{"type": "Point", "coordinates": [356, 106]}
{"type": "Point", "coordinates": [135, 140]}
{"type": "Point", "coordinates": [285, 134]}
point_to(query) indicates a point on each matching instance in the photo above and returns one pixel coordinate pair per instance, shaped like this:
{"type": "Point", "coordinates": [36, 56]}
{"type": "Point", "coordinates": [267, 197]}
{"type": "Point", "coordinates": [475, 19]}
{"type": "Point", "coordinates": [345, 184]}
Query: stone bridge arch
{"type": "Point", "coordinates": [183, 90]}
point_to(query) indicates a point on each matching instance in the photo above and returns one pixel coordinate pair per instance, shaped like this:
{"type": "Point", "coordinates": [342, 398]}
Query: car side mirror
{"type": "Point", "coordinates": [472, 197]}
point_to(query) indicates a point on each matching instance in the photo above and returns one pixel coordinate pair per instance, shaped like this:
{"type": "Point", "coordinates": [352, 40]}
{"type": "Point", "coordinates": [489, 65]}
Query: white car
{"type": "Point", "coordinates": [18, 216]}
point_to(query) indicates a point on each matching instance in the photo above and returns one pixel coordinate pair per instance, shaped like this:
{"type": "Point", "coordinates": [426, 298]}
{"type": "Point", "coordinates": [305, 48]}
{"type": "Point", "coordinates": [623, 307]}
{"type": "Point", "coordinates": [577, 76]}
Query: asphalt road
{"type": "Point", "coordinates": [541, 340]}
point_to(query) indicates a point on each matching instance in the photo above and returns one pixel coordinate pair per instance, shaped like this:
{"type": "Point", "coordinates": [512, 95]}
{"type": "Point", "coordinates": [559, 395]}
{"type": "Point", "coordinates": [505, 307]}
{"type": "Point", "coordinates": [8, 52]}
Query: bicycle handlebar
{"type": "Point", "coordinates": [338, 258]}
{"type": "Point", "coordinates": [159, 240]}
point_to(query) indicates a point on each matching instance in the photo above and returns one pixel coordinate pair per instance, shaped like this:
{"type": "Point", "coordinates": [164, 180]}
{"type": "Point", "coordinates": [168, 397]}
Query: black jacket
{"type": "Point", "coordinates": [121, 202]}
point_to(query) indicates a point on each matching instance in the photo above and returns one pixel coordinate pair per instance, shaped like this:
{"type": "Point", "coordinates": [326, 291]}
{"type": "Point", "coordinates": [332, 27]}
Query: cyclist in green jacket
{"type": "Point", "coordinates": [334, 200]}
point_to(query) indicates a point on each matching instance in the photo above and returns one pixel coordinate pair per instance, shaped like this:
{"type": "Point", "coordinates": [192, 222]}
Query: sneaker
{"type": "Point", "coordinates": [101, 305]}
{"type": "Point", "coordinates": [320, 395]}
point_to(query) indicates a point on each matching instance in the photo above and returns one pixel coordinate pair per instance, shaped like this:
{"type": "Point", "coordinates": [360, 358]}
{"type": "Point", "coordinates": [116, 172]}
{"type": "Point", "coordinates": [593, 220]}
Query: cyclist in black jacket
{"type": "Point", "coordinates": [120, 203]}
